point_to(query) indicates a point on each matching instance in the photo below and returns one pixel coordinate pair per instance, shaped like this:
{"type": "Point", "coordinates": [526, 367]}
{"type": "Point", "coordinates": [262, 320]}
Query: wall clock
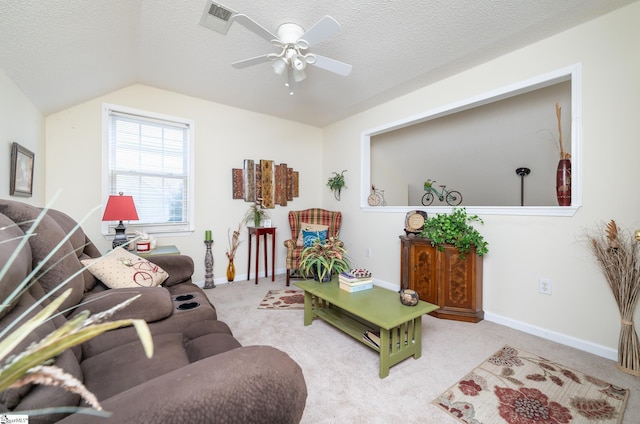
{"type": "Point", "coordinates": [414, 222]}
{"type": "Point", "coordinates": [373, 200]}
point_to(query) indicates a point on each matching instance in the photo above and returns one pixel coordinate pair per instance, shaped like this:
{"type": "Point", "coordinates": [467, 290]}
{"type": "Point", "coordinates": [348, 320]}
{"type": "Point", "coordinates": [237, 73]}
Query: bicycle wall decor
{"type": "Point", "coordinates": [452, 197]}
{"type": "Point", "coordinates": [376, 198]}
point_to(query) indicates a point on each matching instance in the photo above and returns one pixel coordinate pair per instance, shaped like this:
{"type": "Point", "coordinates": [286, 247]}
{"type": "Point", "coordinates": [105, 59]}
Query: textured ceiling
{"type": "Point", "coordinates": [63, 52]}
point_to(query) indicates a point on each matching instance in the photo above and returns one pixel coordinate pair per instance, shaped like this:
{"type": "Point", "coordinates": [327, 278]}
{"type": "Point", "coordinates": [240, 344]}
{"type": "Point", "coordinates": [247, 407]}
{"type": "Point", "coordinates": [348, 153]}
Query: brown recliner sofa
{"type": "Point", "coordinates": [199, 372]}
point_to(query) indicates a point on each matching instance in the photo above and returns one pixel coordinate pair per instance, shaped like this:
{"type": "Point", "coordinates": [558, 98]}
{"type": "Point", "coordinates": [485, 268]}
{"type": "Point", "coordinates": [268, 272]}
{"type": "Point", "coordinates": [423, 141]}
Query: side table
{"type": "Point", "coordinates": [159, 251]}
{"type": "Point", "coordinates": [262, 231]}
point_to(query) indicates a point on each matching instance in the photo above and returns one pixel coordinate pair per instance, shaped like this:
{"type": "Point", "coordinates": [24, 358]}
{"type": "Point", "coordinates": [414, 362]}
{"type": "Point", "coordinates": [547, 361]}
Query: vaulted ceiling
{"type": "Point", "coordinates": [63, 52]}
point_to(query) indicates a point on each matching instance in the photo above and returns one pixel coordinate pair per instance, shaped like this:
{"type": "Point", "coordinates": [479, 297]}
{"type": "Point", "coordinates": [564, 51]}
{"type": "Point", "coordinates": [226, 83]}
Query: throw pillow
{"type": "Point", "coordinates": [309, 227]}
{"type": "Point", "coordinates": [122, 269]}
{"type": "Point", "coordinates": [310, 237]}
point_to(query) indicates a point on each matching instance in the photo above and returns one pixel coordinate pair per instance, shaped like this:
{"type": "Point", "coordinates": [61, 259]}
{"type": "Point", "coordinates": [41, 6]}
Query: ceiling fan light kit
{"type": "Point", "coordinates": [293, 42]}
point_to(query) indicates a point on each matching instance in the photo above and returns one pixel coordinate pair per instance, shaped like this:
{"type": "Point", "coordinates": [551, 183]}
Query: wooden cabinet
{"type": "Point", "coordinates": [443, 278]}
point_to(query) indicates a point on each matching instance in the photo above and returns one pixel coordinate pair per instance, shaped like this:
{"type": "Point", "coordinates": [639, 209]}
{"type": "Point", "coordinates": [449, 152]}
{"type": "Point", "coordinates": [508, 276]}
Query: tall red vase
{"type": "Point", "coordinates": [563, 182]}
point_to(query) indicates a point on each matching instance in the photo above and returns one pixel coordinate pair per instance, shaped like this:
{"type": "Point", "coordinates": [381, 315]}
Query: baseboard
{"type": "Point", "coordinates": [580, 344]}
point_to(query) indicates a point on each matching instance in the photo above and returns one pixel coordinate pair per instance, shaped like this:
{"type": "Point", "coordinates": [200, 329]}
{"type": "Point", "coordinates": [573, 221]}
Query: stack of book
{"type": "Point", "coordinates": [371, 338]}
{"type": "Point", "coordinates": [355, 280]}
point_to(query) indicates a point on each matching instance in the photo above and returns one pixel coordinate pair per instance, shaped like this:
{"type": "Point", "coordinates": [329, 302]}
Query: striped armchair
{"type": "Point", "coordinates": [315, 216]}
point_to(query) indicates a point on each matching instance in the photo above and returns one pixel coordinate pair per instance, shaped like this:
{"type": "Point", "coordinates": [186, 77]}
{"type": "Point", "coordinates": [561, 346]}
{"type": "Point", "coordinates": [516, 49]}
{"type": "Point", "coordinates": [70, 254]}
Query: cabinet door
{"type": "Point", "coordinates": [423, 278]}
{"type": "Point", "coordinates": [458, 281]}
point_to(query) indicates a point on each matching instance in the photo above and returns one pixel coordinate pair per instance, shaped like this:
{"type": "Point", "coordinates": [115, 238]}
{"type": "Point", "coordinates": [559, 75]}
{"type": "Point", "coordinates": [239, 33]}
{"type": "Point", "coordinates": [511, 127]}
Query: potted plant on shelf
{"type": "Point", "coordinates": [255, 214]}
{"type": "Point", "coordinates": [323, 259]}
{"type": "Point", "coordinates": [336, 183]}
{"type": "Point", "coordinates": [455, 229]}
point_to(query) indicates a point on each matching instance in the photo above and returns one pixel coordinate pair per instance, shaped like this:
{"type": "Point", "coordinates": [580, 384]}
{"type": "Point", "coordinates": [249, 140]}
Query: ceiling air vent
{"type": "Point", "coordinates": [217, 17]}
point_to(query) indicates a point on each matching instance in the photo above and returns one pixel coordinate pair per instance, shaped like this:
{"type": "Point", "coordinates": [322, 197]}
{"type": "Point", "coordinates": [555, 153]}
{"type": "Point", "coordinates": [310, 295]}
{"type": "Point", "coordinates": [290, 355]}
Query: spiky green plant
{"type": "Point", "coordinates": [32, 365]}
{"type": "Point", "coordinates": [324, 258]}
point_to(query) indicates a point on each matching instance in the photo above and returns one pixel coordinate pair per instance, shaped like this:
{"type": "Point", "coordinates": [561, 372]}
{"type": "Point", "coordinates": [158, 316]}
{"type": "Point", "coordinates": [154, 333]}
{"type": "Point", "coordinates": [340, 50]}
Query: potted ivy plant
{"type": "Point", "coordinates": [455, 229]}
{"type": "Point", "coordinates": [323, 259]}
{"type": "Point", "coordinates": [336, 183]}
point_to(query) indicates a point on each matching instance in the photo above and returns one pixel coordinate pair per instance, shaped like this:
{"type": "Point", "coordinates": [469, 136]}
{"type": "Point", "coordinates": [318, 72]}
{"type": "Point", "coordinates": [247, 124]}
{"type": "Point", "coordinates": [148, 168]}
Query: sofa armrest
{"type": "Point", "coordinates": [179, 267]}
{"type": "Point", "coordinates": [253, 384]}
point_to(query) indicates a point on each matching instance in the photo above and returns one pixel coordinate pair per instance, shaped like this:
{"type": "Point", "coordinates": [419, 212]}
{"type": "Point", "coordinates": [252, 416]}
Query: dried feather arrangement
{"type": "Point", "coordinates": [234, 242]}
{"type": "Point", "coordinates": [611, 232]}
{"type": "Point", "coordinates": [616, 252]}
{"type": "Point", "coordinates": [563, 154]}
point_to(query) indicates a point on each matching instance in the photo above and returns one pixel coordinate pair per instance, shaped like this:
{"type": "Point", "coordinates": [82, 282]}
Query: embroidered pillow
{"type": "Point", "coordinates": [311, 237]}
{"type": "Point", "coordinates": [122, 269]}
{"type": "Point", "coordinates": [309, 227]}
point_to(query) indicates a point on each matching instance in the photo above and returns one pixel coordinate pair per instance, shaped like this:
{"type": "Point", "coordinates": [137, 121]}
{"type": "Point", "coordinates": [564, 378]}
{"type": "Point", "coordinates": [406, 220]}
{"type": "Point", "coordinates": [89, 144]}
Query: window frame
{"type": "Point", "coordinates": [162, 230]}
{"type": "Point", "coordinates": [571, 73]}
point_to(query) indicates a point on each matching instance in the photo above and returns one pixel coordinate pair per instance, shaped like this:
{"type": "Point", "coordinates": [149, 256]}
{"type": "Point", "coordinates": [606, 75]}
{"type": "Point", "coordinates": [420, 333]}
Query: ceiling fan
{"type": "Point", "coordinates": [293, 42]}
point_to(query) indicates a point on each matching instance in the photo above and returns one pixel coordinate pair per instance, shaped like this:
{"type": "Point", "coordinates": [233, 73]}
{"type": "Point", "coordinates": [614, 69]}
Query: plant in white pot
{"type": "Point", "coordinates": [255, 214]}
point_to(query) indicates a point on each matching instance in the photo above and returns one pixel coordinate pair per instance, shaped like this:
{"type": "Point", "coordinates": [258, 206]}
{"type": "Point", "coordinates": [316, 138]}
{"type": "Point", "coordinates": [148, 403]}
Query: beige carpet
{"type": "Point", "coordinates": [342, 373]}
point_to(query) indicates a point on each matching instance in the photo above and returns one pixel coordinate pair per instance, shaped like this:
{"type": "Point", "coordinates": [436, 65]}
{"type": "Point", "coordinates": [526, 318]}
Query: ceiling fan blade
{"type": "Point", "coordinates": [323, 29]}
{"type": "Point", "coordinates": [332, 65]}
{"type": "Point", "coordinates": [241, 64]}
{"type": "Point", "coordinates": [254, 27]}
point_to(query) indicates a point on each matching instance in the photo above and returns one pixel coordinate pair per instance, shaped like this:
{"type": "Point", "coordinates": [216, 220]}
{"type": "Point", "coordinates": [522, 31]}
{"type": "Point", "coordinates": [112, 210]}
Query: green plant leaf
{"type": "Point", "coordinates": [455, 229]}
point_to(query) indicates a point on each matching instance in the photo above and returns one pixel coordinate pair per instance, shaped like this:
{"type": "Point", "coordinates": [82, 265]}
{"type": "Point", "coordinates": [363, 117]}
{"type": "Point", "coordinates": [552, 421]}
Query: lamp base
{"type": "Point", "coordinates": [120, 237]}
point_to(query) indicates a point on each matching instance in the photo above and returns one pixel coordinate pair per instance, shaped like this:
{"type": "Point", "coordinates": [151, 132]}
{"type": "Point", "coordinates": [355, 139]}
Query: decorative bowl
{"type": "Point", "coordinates": [409, 297]}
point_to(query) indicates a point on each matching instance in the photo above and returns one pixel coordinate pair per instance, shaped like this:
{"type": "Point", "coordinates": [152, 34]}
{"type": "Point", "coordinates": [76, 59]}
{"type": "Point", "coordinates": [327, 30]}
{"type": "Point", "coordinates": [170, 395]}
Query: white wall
{"type": "Point", "coordinates": [21, 122]}
{"type": "Point", "coordinates": [581, 311]}
{"type": "Point", "coordinates": [224, 137]}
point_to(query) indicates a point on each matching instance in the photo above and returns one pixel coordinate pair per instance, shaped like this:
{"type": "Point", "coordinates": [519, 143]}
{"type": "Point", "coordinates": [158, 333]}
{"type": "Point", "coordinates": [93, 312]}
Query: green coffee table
{"type": "Point", "coordinates": [378, 309]}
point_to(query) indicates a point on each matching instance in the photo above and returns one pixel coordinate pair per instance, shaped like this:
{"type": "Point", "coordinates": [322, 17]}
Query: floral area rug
{"type": "Point", "coordinates": [517, 387]}
{"type": "Point", "coordinates": [283, 299]}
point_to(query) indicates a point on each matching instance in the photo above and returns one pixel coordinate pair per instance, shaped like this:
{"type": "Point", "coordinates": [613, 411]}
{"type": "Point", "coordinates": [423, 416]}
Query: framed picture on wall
{"type": "Point", "coordinates": [21, 177]}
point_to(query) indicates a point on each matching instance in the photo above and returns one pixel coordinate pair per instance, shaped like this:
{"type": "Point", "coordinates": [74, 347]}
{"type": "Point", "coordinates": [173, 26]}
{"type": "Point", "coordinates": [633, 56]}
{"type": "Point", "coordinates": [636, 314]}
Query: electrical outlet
{"type": "Point", "coordinates": [544, 286]}
{"type": "Point", "coordinates": [368, 252]}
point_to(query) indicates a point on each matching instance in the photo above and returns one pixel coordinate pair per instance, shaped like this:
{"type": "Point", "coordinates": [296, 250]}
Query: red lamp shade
{"type": "Point", "coordinates": [120, 208]}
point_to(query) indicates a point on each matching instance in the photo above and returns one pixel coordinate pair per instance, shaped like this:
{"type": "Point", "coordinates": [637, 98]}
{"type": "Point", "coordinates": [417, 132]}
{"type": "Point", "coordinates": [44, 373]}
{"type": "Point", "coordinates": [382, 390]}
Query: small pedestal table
{"type": "Point", "coordinates": [262, 231]}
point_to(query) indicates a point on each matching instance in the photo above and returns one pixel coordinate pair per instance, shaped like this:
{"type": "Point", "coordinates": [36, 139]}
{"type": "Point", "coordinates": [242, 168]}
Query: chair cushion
{"type": "Point", "coordinates": [311, 237]}
{"type": "Point", "coordinates": [122, 269]}
{"type": "Point", "coordinates": [305, 226]}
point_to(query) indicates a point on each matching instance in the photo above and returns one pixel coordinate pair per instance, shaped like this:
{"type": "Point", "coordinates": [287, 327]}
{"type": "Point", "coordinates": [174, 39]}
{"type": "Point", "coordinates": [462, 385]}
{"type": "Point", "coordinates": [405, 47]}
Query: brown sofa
{"type": "Point", "coordinates": [199, 372]}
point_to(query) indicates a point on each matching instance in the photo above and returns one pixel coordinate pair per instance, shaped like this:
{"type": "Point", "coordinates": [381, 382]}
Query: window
{"type": "Point", "coordinates": [149, 157]}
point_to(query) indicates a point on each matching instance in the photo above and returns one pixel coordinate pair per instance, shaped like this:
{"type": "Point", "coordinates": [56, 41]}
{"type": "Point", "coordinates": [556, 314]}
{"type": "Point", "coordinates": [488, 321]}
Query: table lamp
{"type": "Point", "coordinates": [120, 208]}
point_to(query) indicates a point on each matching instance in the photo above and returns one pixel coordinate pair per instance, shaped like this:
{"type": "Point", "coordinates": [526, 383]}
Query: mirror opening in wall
{"type": "Point", "coordinates": [501, 150]}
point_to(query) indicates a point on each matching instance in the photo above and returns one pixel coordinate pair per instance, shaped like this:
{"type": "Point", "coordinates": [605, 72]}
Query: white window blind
{"type": "Point", "coordinates": [149, 158]}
